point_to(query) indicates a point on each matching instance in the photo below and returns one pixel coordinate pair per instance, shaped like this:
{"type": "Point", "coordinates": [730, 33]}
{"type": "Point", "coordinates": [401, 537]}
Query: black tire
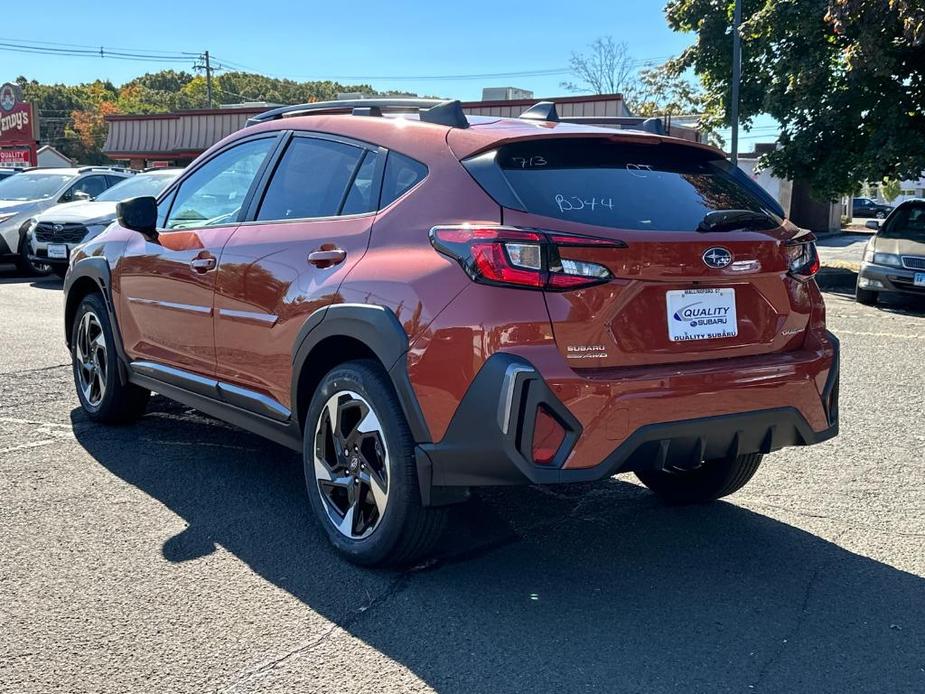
{"type": "Point", "coordinates": [865, 296]}
{"type": "Point", "coordinates": [59, 270]}
{"type": "Point", "coordinates": [405, 531]}
{"type": "Point", "coordinates": [880, 214]}
{"type": "Point", "coordinates": [26, 267]}
{"type": "Point", "coordinates": [118, 403]}
{"type": "Point", "coordinates": [710, 481]}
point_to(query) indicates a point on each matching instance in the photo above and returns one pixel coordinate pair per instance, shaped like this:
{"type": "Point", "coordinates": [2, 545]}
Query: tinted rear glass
{"type": "Point", "coordinates": [624, 185]}
{"type": "Point", "coordinates": [311, 180]}
{"type": "Point", "coordinates": [401, 174]}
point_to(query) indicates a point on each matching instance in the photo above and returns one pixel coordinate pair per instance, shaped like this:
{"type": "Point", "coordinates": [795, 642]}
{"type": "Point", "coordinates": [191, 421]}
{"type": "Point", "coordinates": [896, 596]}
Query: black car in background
{"type": "Point", "coordinates": [865, 207]}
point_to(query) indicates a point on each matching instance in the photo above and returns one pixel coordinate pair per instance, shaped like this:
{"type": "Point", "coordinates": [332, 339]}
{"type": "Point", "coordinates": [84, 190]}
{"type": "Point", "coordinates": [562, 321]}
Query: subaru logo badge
{"type": "Point", "coordinates": [58, 227]}
{"type": "Point", "coordinates": [717, 257]}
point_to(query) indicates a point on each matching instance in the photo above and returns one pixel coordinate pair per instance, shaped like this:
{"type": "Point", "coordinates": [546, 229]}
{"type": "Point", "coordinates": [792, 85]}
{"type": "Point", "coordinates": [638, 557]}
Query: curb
{"type": "Point", "coordinates": [831, 277]}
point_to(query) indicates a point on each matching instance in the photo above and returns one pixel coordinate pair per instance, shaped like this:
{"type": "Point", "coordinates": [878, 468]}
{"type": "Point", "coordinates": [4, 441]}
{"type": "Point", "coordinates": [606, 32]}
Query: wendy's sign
{"type": "Point", "coordinates": [17, 123]}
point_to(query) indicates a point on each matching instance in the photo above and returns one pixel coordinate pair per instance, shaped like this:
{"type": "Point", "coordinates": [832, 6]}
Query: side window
{"type": "Point", "coordinates": [360, 197]}
{"type": "Point", "coordinates": [91, 185]}
{"type": "Point", "coordinates": [214, 193]}
{"type": "Point", "coordinates": [163, 207]}
{"type": "Point", "coordinates": [401, 174]}
{"type": "Point", "coordinates": [310, 180]}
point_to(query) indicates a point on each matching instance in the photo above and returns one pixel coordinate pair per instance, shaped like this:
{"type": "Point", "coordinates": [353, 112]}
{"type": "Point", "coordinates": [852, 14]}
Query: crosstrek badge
{"type": "Point", "coordinates": [701, 314]}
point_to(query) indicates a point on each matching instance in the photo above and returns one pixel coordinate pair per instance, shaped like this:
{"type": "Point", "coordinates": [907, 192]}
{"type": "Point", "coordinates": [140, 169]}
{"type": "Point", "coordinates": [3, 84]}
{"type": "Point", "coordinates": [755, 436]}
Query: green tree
{"type": "Point", "coordinates": [890, 189]}
{"type": "Point", "coordinates": [659, 91]}
{"type": "Point", "coordinates": [844, 78]}
{"type": "Point", "coordinates": [72, 117]}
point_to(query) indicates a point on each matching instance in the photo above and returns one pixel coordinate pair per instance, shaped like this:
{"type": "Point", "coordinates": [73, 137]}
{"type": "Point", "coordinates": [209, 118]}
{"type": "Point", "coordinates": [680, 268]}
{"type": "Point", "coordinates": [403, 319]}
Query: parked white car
{"type": "Point", "coordinates": [52, 234]}
{"type": "Point", "coordinates": [28, 193]}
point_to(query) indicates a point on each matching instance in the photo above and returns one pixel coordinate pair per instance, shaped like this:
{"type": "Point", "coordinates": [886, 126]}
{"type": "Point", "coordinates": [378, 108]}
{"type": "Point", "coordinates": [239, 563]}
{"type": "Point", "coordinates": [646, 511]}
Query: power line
{"type": "Point", "coordinates": [86, 45]}
{"type": "Point", "coordinates": [100, 52]}
{"type": "Point", "coordinates": [148, 55]}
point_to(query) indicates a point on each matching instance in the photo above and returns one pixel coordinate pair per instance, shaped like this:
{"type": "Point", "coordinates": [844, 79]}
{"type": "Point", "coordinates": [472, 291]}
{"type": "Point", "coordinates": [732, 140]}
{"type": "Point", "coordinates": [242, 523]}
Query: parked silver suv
{"type": "Point", "coordinates": [26, 194]}
{"type": "Point", "coordinates": [52, 234]}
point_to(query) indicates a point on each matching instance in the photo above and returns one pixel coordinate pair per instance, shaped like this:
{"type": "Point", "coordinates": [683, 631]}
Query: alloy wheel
{"type": "Point", "coordinates": [92, 359]}
{"type": "Point", "coordinates": [351, 462]}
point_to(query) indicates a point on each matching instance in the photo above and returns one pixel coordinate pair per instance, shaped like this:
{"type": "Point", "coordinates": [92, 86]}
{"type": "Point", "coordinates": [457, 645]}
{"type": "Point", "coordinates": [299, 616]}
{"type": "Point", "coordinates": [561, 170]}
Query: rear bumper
{"type": "Point", "coordinates": [762, 409]}
{"type": "Point", "coordinates": [893, 279]}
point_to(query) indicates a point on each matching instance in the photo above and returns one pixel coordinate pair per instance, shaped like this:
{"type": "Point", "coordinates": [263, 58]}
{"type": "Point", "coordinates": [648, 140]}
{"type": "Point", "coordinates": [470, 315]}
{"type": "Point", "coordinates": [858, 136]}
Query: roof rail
{"type": "Point", "coordinates": [431, 110]}
{"type": "Point", "coordinates": [543, 110]}
{"type": "Point", "coordinates": [656, 126]}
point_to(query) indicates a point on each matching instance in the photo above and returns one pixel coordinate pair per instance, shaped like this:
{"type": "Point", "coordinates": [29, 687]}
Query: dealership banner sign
{"type": "Point", "coordinates": [16, 156]}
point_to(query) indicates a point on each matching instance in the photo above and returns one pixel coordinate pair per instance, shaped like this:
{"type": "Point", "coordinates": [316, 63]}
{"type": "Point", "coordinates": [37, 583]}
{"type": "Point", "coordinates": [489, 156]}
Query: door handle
{"type": "Point", "coordinates": [202, 264]}
{"type": "Point", "coordinates": [327, 258]}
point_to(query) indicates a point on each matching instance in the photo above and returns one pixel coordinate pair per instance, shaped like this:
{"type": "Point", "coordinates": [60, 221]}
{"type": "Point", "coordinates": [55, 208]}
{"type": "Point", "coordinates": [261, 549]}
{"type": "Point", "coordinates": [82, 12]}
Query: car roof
{"type": "Point", "coordinates": [75, 170]}
{"type": "Point", "coordinates": [407, 134]}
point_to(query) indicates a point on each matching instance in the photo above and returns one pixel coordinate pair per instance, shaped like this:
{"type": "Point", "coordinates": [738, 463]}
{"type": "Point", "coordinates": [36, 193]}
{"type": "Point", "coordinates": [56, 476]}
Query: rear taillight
{"type": "Point", "coordinates": [803, 260]}
{"type": "Point", "coordinates": [524, 258]}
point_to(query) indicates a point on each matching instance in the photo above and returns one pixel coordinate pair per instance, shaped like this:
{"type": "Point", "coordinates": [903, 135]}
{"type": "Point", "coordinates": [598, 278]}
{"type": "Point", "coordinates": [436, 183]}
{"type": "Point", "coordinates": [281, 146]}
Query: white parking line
{"type": "Point", "coordinates": [863, 334]}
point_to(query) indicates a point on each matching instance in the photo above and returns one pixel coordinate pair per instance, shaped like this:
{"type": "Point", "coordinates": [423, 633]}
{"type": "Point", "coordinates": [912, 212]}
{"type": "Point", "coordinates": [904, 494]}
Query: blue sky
{"type": "Point", "coordinates": [371, 41]}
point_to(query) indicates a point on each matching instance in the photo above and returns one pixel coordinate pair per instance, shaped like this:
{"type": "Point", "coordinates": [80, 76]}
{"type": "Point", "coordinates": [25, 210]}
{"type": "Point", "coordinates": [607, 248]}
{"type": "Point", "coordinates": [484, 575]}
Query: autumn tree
{"type": "Point", "coordinates": [844, 78]}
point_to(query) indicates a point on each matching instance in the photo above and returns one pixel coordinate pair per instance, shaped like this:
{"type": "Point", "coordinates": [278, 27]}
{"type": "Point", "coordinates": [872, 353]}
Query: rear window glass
{"type": "Point", "coordinates": [401, 174]}
{"type": "Point", "coordinates": [310, 181]}
{"type": "Point", "coordinates": [360, 197]}
{"type": "Point", "coordinates": [625, 185]}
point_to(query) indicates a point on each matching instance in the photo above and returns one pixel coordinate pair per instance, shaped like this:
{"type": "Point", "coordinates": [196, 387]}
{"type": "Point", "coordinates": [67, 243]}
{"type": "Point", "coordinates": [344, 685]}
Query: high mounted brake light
{"type": "Point", "coordinates": [803, 259]}
{"type": "Point", "coordinates": [526, 258]}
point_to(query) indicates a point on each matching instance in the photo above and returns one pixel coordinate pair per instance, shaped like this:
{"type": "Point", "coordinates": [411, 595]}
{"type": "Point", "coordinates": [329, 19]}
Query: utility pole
{"type": "Point", "coordinates": [736, 78]}
{"type": "Point", "coordinates": [209, 79]}
{"type": "Point", "coordinates": [205, 64]}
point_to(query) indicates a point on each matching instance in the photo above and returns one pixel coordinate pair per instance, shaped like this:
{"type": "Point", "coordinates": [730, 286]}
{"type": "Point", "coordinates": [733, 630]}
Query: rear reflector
{"type": "Point", "coordinates": [548, 435]}
{"type": "Point", "coordinates": [524, 258]}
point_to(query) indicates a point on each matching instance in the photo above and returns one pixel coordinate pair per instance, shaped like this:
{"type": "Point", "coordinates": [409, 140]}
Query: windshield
{"type": "Point", "coordinates": [629, 186]}
{"type": "Point", "coordinates": [138, 186]}
{"type": "Point", "coordinates": [908, 222]}
{"type": "Point", "coordinates": [32, 186]}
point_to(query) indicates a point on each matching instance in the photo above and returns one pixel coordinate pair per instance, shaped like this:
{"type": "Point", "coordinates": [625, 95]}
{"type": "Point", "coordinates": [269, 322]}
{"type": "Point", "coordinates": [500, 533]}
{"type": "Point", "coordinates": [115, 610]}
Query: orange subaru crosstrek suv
{"type": "Point", "coordinates": [423, 302]}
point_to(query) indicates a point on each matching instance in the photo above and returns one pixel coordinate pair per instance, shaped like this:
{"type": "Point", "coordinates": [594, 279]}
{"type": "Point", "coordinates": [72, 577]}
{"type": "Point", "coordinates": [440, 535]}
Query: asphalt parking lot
{"type": "Point", "coordinates": [178, 555]}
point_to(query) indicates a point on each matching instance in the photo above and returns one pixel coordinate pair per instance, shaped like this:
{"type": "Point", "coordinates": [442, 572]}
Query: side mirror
{"type": "Point", "coordinates": [139, 214]}
{"type": "Point", "coordinates": [873, 224]}
{"type": "Point", "coordinates": [82, 196]}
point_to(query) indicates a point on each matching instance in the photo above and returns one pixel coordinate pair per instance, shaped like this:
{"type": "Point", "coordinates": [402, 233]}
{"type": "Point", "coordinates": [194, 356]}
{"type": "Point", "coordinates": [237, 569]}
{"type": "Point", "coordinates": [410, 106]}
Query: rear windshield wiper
{"type": "Point", "coordinates": [729, 220]}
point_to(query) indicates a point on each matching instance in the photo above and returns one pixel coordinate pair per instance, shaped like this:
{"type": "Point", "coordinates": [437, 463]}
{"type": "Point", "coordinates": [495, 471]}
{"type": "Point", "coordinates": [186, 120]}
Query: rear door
{"type": "Point", "coordinates": [168, 285]}
{"type": "Point", "coordinates": [694, 282]}
{"type": "Point", "coordinates": [301, 239]}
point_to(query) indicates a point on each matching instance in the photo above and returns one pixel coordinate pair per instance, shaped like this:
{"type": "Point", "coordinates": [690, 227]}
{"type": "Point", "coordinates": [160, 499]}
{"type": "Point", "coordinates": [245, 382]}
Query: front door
{"type": "Point", "coordinates": [167, 286]}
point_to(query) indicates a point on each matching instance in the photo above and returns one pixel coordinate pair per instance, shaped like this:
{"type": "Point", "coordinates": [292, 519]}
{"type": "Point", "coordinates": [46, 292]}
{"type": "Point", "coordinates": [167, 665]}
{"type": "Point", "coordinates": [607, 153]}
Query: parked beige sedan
{"type": "Point", "coordinates": [894, 260]}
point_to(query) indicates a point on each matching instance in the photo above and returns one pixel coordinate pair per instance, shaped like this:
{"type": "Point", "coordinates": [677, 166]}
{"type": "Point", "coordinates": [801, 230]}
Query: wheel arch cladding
{"type": "Point", "coordinates": [89, 275]}
{"type": "Point", "coordinates": [341, 332]}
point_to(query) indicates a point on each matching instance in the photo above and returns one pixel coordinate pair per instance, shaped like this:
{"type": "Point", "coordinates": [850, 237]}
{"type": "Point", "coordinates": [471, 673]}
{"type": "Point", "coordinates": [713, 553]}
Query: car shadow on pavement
{"type": "Point", "coordinates": [597, 587]}
{"type": "Point", "coordinates": [9, 275]}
